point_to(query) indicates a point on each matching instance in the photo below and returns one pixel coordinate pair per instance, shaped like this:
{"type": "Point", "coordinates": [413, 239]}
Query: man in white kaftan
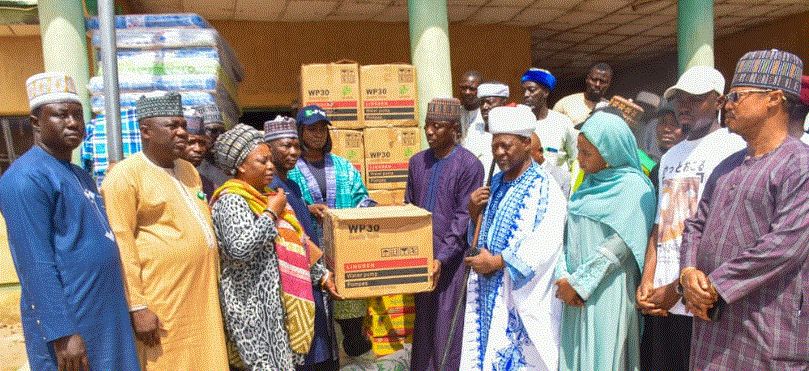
{"type": "Point", "coordinates": [512, 318]}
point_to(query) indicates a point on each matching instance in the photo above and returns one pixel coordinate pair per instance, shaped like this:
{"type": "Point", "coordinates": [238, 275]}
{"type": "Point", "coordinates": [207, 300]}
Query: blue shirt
{"type": "Point", "coordinates": [67, 262]}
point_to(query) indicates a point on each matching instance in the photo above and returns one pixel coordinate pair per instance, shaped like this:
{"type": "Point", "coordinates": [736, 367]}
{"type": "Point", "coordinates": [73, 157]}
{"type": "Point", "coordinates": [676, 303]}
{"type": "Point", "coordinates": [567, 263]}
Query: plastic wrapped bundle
{"type": "Point", "coordinates": [179, 20]}
{"type": "Point", "coordinates": [162, 38]}
{"type": "Point", "coordinates": [173, 62]}
{"type": "Point", "coordinates": [134, 83]}
{"type": "Point", "coordinates": [173, 38]}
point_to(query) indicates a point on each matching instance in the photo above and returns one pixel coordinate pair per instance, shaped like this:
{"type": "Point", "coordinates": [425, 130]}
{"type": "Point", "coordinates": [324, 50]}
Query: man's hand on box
{"type": "Point", "coordinates": [436, 273]}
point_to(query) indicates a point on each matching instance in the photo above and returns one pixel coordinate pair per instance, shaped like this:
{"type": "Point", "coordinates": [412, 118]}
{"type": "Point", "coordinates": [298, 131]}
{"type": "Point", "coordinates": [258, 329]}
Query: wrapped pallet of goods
{"type": "Point", "coordinates": [94, 149]}
{"type": "Point", "coordinates": [162, 53]}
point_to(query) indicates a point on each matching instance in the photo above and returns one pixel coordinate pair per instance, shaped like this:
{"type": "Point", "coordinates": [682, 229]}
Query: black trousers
{"type": "Point", "coordinates": [666, 343]}
{"type": "Point", "coordinates": [355, 342]}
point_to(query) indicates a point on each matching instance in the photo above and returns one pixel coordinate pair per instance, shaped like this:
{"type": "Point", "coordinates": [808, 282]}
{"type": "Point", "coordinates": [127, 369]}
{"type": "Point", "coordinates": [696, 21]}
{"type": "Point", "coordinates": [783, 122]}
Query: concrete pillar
{"type": "Point", "coordinates": [429, 51]}
{"type": "Point", "coordinates": [64, 46]}
{"type": "Point", "coordinates": [695, 34]}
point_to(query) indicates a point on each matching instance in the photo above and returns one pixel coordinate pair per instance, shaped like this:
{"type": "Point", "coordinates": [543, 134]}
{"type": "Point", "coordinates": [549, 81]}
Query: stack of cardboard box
{"type": "Point", "coordinates": [374, 117]}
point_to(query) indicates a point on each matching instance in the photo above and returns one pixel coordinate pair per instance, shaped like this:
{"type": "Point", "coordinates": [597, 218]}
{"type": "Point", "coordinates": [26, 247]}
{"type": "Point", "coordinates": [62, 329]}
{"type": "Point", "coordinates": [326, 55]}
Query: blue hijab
{"type": "Point", "coordinates": [620, 196]}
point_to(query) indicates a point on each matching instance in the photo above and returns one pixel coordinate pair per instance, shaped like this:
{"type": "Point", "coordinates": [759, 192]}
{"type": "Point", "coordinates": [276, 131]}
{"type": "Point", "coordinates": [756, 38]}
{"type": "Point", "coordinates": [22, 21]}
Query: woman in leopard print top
{"type": "Point", "coordinates": [250, 283]}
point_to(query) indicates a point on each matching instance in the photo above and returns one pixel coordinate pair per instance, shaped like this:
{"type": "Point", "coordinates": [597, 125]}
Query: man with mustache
{"type": "Point", "coordinates": [683, 173]}
{"type": "Point", "coordinates": [745, 258]}
{"type": "Point", "coordinates": [555, 130]}
{"type": "Point", "coordinates": [440, 180]}
{"type": "Point", "coordinates": [579, 106]}
{"type": "Point", "coordinates": [512, 317]}
{"type": "Point", "coordinates": [73, 309]}
{"type": "Point", "coordinates": [168, 248]}
{"type": "Point", "coordinates": [198, 143]}
{"type": "Point", "coordinates": [478, 140]}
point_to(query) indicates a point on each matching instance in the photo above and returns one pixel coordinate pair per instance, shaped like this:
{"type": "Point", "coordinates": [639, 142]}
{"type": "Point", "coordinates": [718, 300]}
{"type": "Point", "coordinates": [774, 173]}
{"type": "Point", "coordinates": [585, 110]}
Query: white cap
{"type": "Point", "coordinates": [488, 89]}
{"type": "Point", "coordinates": [50, 87]}
{"type": "Point", "coordinates": [649, 98]}
{"type": "Point", "coordinates": [698, 80]}
{"type": "Point", "coordinates": [519, 120]}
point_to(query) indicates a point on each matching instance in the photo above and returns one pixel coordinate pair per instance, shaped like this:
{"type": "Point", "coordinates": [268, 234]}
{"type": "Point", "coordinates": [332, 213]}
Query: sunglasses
{"type": "Point", "coordinates": [735, 96]}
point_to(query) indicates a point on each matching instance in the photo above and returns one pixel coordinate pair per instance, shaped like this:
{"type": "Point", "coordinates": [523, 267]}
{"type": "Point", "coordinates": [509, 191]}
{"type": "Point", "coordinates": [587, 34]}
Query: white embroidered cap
{"type": "Point", "coordinates": [519, 120]}
{"type": "Point", "coordinates": [50, 87]}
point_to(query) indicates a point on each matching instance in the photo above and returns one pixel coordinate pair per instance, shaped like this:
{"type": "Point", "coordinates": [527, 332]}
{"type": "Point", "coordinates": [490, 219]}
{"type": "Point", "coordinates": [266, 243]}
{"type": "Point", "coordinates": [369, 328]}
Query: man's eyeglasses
{"type": "Point", "coordinates": [735, 96]}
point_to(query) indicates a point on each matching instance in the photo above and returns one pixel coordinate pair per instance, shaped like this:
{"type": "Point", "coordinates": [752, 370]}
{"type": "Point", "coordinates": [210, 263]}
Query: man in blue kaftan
{"type": "Point", "coordinates": [73, 309]}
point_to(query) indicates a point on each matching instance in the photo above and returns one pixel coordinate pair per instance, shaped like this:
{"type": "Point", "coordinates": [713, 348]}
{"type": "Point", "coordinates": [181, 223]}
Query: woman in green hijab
{"type": "Point", "coordinates": [609, 220]}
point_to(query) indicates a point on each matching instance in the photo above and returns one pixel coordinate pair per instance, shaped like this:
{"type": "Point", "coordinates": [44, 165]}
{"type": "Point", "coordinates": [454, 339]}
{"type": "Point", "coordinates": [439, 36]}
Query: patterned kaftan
{"type": "Point", "coordinates": [512, 316]}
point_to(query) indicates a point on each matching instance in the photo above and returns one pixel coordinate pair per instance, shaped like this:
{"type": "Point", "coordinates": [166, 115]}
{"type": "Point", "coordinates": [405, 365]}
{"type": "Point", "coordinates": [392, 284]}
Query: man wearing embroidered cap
{"type": "Point", "coordinates": [198, 147]}
{"type": "Point", "coordinates": [682, 175]}
{"type": "Point", "coordinates": [168, 248]}
{"type": "Point", "coordinates": [555, 130]}
{"type": "Point", "coordinates": [211, 175]}
{"type": "Point", "coordinates": [478, 140]}
{"type": "Point", "coordinates": [744, 256]}
{"type": "Point", "coordinates": [440, 179]}
{"type": "Point", "coordinates": [73, 306]}
{"type": "Point", "coordinates": [281, 134]}
{"type": "Point", "coordinates": [512, 317]}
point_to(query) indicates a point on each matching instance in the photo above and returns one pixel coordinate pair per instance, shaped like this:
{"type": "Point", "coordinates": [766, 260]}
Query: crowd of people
{"type": "Point", "coordinates": [564, 238]}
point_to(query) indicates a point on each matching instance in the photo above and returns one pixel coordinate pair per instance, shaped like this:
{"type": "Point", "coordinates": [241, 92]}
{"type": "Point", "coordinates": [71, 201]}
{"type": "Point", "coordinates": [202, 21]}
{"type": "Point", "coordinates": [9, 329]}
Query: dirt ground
{"type": "Point", "coordinates": [12, 347]}
{"type": "Point", "coordinates": [12, 342]}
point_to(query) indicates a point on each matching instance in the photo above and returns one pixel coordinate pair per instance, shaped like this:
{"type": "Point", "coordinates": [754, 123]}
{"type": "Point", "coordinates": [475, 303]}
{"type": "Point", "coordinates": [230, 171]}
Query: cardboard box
{"type": "Point", "coordinates": [376, 251]}
{"type": "Point", "coordinates": [388, 197]}
{"type": "Point", "coordinates": [348, 144]}
{"type": "Point", "coordinates": [336, 88]}
{"type": "Point", "coordinates": [387, 151]}
{"type": "Point", "coordinates": [389, 95]}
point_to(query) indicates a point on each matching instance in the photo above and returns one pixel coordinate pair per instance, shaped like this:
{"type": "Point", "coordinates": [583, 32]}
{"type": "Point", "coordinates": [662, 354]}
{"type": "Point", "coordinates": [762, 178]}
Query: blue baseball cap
{"type": "Point", "coordinates": [312, 114]}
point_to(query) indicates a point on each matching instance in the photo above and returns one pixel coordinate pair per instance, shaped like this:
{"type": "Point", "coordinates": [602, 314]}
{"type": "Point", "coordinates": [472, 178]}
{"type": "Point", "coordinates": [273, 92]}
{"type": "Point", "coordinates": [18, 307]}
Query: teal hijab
{"type": "Point", "coordinates": [620, 196]}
